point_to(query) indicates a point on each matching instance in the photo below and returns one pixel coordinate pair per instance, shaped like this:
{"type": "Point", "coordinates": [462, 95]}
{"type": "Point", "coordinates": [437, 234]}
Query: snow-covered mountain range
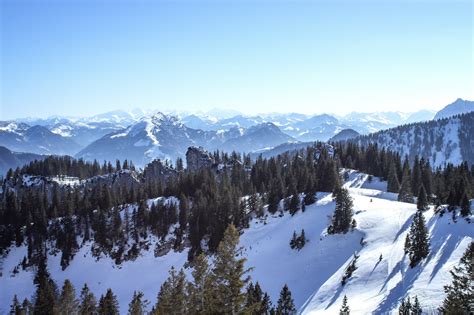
{"type": "Point", "coordinates": [143, 135]}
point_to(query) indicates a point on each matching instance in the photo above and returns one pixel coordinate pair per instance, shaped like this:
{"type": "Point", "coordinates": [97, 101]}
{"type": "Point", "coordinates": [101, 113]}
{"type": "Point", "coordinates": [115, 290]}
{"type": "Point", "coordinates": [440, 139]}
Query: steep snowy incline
{"type": "Point", "coordinates": [313, 273]}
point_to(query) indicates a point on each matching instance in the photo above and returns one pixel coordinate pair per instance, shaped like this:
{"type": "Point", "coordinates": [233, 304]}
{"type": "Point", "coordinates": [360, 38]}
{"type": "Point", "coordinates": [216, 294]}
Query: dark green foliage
{"type": "Point", "coordinates": [417, 244]}
{"type": "Point", "coordinates": [344, 307]}
{"type": "Point", "coordinates": [298, 242]}
{"type": "Point", "coordinates": [46, 291]}
{"type": "Point", "coordinates": [460, 293]}
{"type": "Point", "coordinates": [422, 201]}
{"type": "Point", "coordinates": [88, 302]}
{"type": "Point", "coordinates": [343, 213]}
{"type": "Point", "coordinates": [285, 305]}
{"type": "Point", "coordinates": [108, 304]}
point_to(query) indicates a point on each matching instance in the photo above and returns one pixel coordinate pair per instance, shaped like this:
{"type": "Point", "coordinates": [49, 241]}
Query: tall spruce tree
{"type": "Point", "coordinates": [460, 293]}
{"type": "Point", "coordinates": [285, 305]}
{"type": "Point", "coordinates": [343, 213]}
{"type": "Point", "coordinates": [465, 205]}
{"type": "Point", "coordinates": [405, 193]}
{"type": "Point", "coordinates": [108, 304]}
{"type": "Point", "coordinates": [68, 304]}
{"type": "Point", "coordinates": [229, 274]}
{"type": "Point", "coordinates": [46, 291]}
{"type": "Point", "coordinates": [138, 304]}
{"type": "Point", "coordinates": [422, 201]}
{"type": "Point", "coordinates": [419, 245]}
{"type": "Point", "coordinates": [88, 302]}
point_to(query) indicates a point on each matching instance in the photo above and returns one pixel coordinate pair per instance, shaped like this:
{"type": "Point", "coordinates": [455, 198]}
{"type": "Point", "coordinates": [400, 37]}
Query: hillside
{"type": "Point", "coordinates": [448, 140]}
{"type": "Point", "coordinates": [9, 159]}
{"type": "Point", "coordinates": [459, 106]}
{"type": "Point", "coordinates": [313, 274]}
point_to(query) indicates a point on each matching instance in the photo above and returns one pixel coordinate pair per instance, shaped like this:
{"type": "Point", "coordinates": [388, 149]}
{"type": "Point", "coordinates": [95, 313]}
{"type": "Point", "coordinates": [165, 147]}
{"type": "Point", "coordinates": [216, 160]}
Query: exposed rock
{"type": "Point", "coordinates": [157, 170]}
{"type": "Point", "coordinates": [197, 158]}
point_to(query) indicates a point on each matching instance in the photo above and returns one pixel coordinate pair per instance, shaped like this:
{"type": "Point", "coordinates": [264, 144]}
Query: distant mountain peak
{"type": "Point", "coordinates": [459, 106]}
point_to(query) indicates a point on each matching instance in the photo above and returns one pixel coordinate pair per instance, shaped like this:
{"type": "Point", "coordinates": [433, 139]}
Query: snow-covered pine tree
{"type": "Point", "coordinates": [460, 293]}
{"type": "Point", "coordinates": [345, 310]}
{"type": "Point", "coordinates": [285, 305]}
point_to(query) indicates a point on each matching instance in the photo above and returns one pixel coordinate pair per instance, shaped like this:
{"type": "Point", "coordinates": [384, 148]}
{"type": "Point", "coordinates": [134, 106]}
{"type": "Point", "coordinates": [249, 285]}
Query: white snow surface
{"type": "Point", "coordinates": [313, 274]}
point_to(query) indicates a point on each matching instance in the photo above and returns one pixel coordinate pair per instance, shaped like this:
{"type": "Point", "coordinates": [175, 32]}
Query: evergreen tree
{"type": "Point", "coordinates": [343, 213]}
{"type": "Point", "coordinates": [405, 194]}
{"type": "Point", "coordinates": [68, 304]}
{"type": "Point", "coordinates": [416, 307]}
{"type": "Point", "coordinates": [405, 308]}
{"type": "Point", "coordinates": [285, 305]}
{"type": "Point", "coordinates": [138, 305]}
{"type": "Point", "coordinates": [419, 246]}
{"type": "Point", "coordinates": [229, 274]}
{"type": "Point", "coordinates": [108, 304]}
{"type": "Point", "coordinates": [344, 307]}
{"type": "Point", "coordinates": [393, 184]}
{"type": "Point", "coordinates": [15, 307]}
{"type": "Point", "coordinates": [465, 206]}
{"type": "Point", "coordinates": [46, 291]}
{"type": "Point", "coordinates": [88, 302]}
{"type": "Point", "coordinates": [422, 202]}
{"type": "Point", "coordinates": [199, 290]}
{"type": "Point", "coordinates": [172, 296]}
{"type": "Point", "coordinates": [460, 293]}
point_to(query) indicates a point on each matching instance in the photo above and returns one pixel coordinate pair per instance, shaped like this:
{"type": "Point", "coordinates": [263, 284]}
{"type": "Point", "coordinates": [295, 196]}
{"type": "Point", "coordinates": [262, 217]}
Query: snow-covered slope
{"type": "Point", "coordinates": [448, 140]}
{"type": "Point", "coordinates": [313, 274]}
{"type": "Point", "coordinates": [459, 106]}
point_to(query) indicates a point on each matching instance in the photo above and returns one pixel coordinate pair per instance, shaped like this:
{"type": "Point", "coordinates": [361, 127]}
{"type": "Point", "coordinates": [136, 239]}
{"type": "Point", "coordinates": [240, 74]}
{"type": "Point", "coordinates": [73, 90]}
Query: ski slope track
{"type": "Point", "coordinates": [313, 273]}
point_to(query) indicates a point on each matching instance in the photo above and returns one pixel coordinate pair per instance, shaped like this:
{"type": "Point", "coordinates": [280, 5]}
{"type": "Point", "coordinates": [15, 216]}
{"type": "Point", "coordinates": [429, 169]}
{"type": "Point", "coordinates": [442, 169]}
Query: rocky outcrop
{"type": "Point", "coordinates": [157, 170]}
{"type": "Point", "coordinates": [197, 158]}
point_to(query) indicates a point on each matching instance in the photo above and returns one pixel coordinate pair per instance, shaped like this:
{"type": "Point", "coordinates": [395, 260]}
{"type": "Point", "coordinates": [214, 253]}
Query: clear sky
{"type": "Point", "coordinates": [67, 57]}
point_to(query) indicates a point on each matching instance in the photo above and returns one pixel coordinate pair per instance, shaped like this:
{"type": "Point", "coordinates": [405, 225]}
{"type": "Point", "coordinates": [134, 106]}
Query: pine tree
{"type": "Point", "coordinates": [344, 307]}
{"type": "Point", "coordinates": [68, 304]}
{"type": "Point", "coordinates": [46, 290]}
{"type": "Point", "coordinates": [416, 307]}
{"type": "Point", "coordinates": [419, 241]}
{"type": "Point", "coordinates": [422, 202]}
{"type": "Point", "coordinates": [88, 302]}
{"type": "Point", "coordinates": [229, 274]}
{"type": "Point", "coordinates": [294, 240]}
{"type": "Point", "coordinates": [405, 194]}
{"type": "Point", "coordinates": [465, 206]}
{"type": "Point", "coordinates": [172, 296]}
{"type": "Point", "coordinates": [108, 304]}
{"type": "Point", "coordinates": [343, 213]}
{"type": "Point", "coordinates": [405, 307]}
{"type": "Point", "coordinates": [138, 305]}
{"type": "Point", "coordinates": [393, 184]}
{"type": "Point", "coordinates": [285, 305]}
{"type": "Point", "coordinates": [199, 290]}
{"type": "Point", "coordinates": [460, 293]}
{"type": "Point", "coordinates": [294, 204]}
{"type": "Point", "coordinates": [15, 307]}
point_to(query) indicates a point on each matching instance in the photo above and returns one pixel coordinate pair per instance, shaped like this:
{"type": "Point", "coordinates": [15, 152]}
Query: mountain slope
{"type": "Point", "coordinates": [313, 274]}
{"type": "Point", "coordinates": [9, 159]}
{"type": "Point", "coordinates": [448, 140]}
{"type": "Point", "coordinates": [37, 139]}
{"type": "Point", "coordinates": [459, 106]}
{"type": "Point", "coordinates": [344, 135]}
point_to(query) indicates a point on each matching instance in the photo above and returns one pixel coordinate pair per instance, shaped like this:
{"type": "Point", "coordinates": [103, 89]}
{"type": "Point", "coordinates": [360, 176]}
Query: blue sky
{"type": "Point", "coordinates": [85, 57]}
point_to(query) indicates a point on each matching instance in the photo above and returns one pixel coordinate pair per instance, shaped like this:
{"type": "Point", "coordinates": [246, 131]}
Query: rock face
{"type": "Point", "coordinates": [157, 170]}
{"type": "Point", "coordinates": [197, 158]}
